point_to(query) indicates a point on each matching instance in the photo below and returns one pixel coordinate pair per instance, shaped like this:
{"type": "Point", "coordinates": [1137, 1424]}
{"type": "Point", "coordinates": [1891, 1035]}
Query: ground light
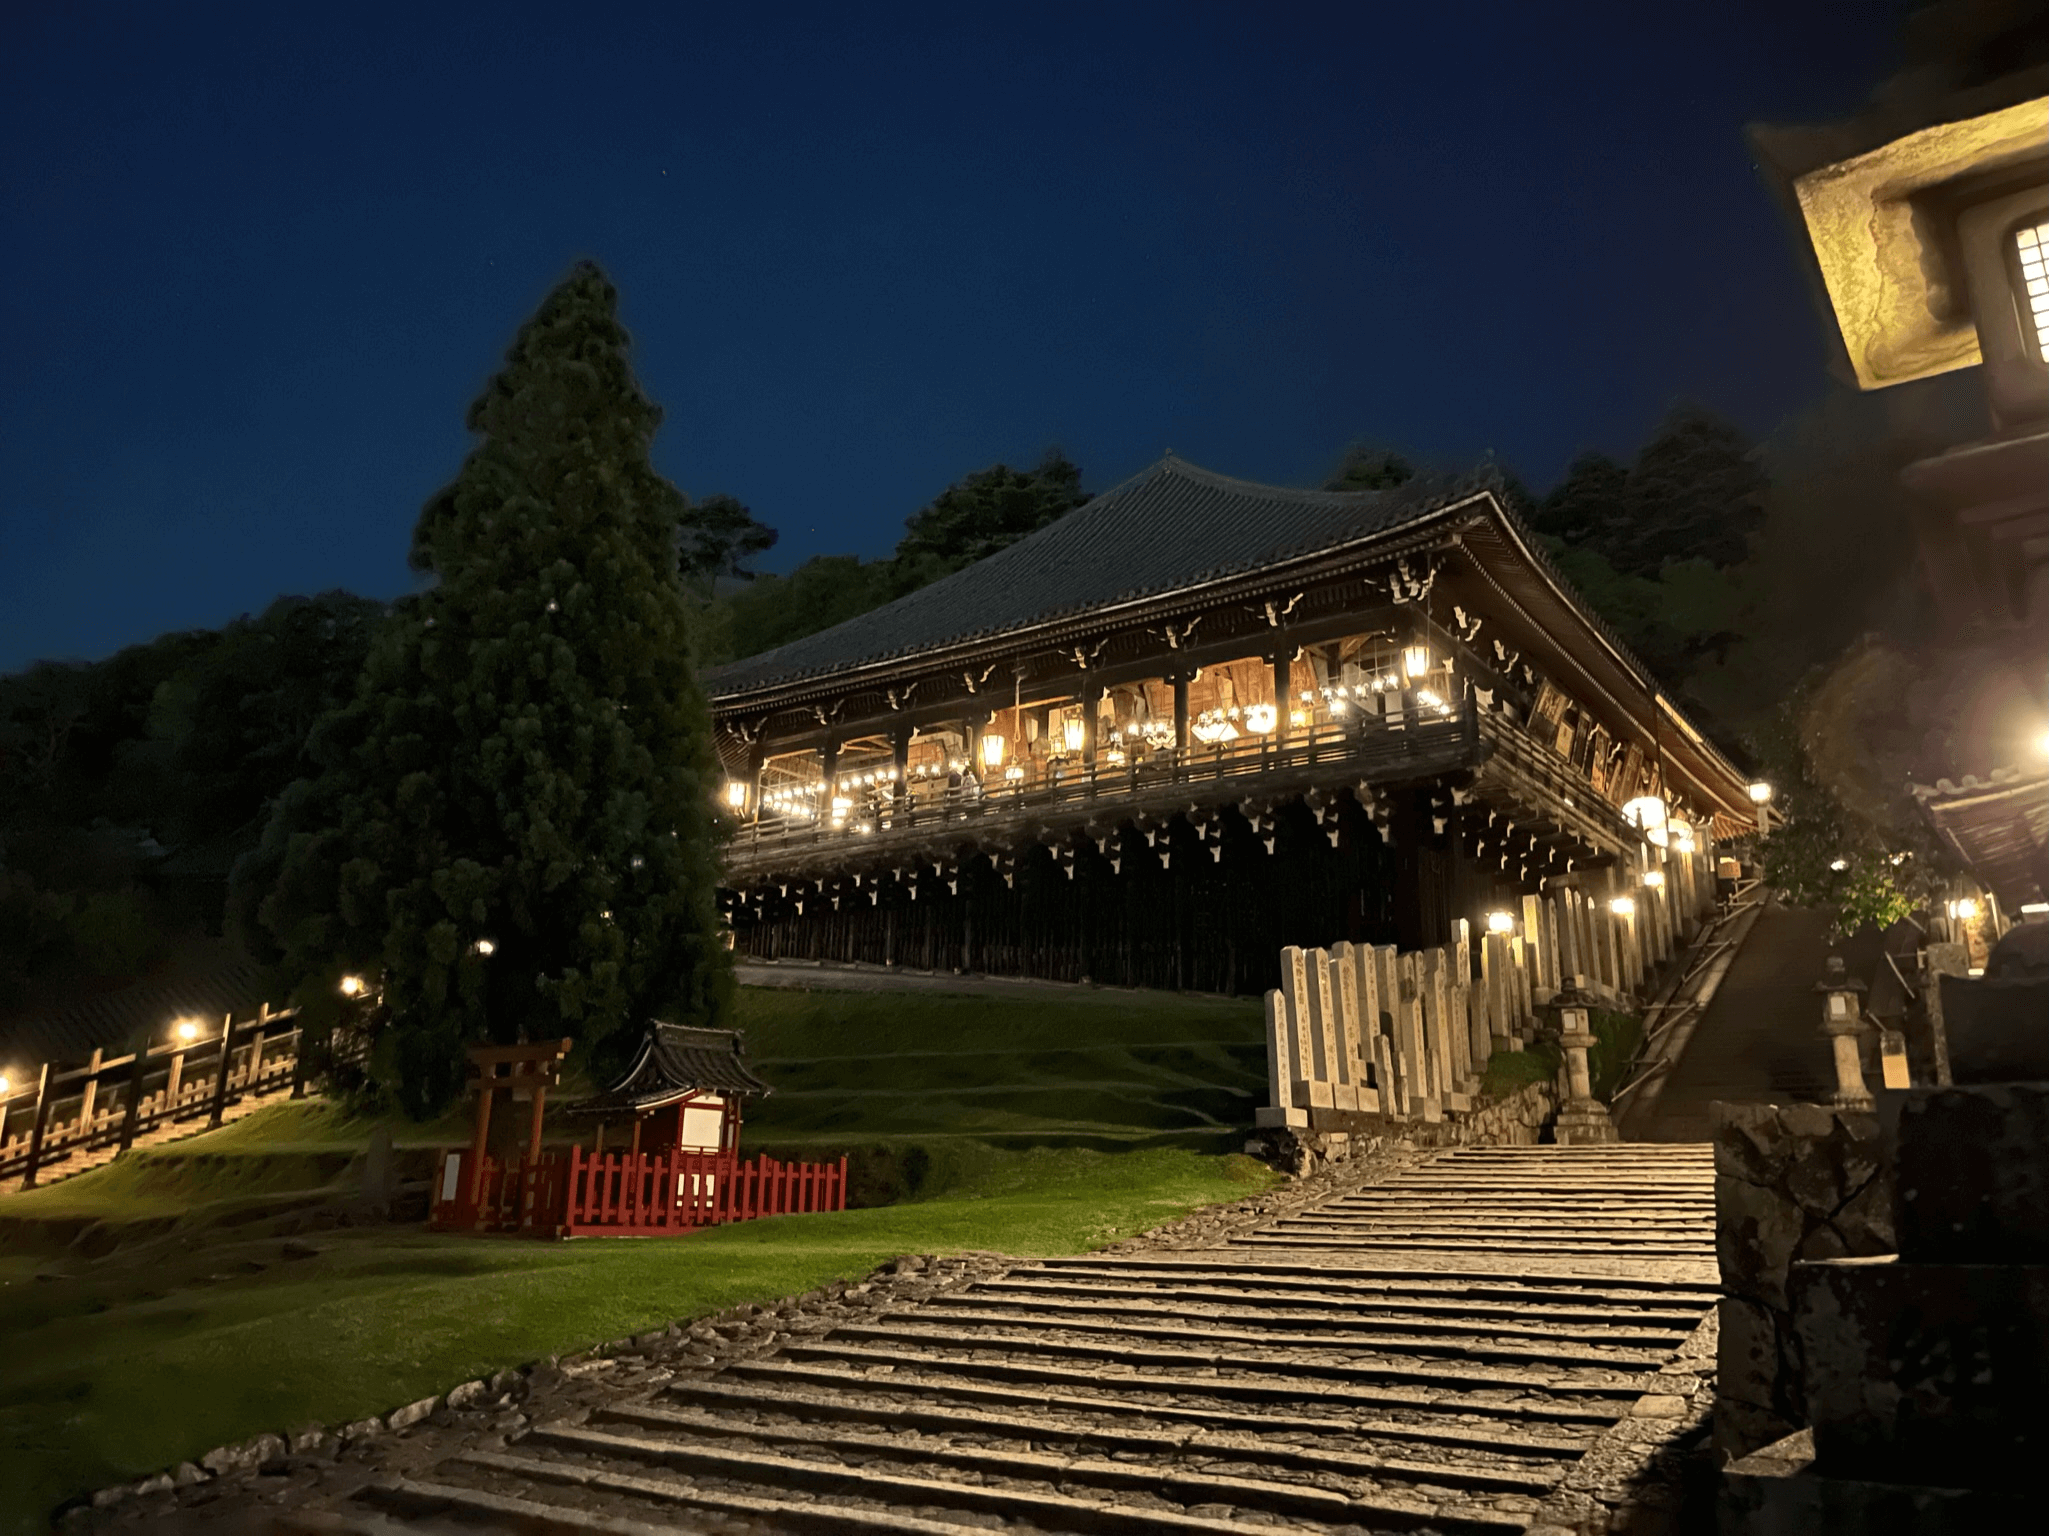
{"type": "Point", "coordinates": [1622, 906]}
{"type": "Point", "coordinates": [1500, 922]}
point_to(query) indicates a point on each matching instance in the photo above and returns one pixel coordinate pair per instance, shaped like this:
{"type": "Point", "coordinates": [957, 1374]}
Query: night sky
{"type": "Point", "coordinates": [258, 260]}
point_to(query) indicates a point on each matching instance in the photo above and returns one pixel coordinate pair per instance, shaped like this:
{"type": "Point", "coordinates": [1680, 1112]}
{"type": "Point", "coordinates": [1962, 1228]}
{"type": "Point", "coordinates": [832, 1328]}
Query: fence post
{"type": "Point", "coordinates": [89, 1096]}
{"type": "Point", "coordinates": [220, 1076]}
{"type": "Point", "coordinates": [249, 1078]}
{"type": "Point", "coordinates": [131, 1112]}
{"type": "Point", "coordinates": [44, 1100]}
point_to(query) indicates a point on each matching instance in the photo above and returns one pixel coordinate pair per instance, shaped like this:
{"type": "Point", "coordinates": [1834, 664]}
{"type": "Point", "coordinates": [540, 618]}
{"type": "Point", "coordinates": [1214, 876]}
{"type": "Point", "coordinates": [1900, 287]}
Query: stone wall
{"type": "Point", "coordinates": [1792, 1182]}
{"type": "Point", "coordinates": [1335, 1137]}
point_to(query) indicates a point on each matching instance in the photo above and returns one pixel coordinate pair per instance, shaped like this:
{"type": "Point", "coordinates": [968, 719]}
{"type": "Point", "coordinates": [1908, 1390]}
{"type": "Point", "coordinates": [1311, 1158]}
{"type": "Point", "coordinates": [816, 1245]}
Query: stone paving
{"type": "Point", "coordinates": [1481, 1340]}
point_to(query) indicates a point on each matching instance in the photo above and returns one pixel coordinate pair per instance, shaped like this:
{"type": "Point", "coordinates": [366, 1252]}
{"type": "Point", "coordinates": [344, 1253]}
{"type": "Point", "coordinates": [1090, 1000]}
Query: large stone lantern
{"type": "Point", "coordinates": [1583, 1119]}
{"type": "Point", "coordinates": [1842, 1022]}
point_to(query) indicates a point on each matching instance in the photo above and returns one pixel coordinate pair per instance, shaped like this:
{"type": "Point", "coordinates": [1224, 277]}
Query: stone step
{"type": "Point", "coordinates": [1086, 1444]}
{"type": "Point", "coordinates": [1480, 1240]}
{"type": "Point", "coordinates": [1434, 1308]}
{"type": "Point", "coordinates": [868, 1405]}
{"type": "Point", "coordinates": [1573, 1381]}
{"type": "Point", "coordinates": [1304, 1319]}
{"type": "Point", "coordinates": [444, 1502]}
{"type": "Point", "coordinates": [1027, 1493]}
{"type": "Point", "coordinates": [1538, 1247]}
{"type": "Point", "coordinates": [963, 1372]}
{"type": "Point", "coordinates": [1263, 1274]}
{"type": "Point", "coordinates": [1466, 1346]}
{"type": "Point", "coordinates": [1482, 1225]}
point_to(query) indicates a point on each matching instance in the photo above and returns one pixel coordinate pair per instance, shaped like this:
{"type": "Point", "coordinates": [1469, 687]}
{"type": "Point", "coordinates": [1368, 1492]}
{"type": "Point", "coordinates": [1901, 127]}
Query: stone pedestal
{"type": "Point", "coordinates": [1583, 1119]}
{"type": "Point", "coordinates": [1920, 1373]}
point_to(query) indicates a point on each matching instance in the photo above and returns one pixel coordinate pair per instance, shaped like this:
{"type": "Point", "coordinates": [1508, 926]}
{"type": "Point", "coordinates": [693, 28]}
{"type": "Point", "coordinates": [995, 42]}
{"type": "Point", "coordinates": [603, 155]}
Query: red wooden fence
{"type": "Point", "coordinates": [629, 1194]}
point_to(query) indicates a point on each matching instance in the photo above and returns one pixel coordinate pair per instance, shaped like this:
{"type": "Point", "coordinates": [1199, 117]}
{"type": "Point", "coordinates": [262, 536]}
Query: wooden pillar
{"type": "Point", "coordinates": [481, 1136]}
{"type": "Point", "coordinates": [173, 1082]}
{"type": "Point", "coordinates": [533, 1140]}
{"type": "Point", "coordinates": [89, 1098]}
{"type": "Point", "coordinates": [220, 1076]}
{"type": "Point", "coordinates": [255, 1067]}
{"type": "Point", "coordinates": [1282, 668]}
{"type": "Point", "coordinates": [900, 760]}
{"type": "Point", "coordinates": [1180, 681]}
{"type": "Point", "coordinates": [1091, 699]}
{"type": "Point", "coordinates": [45, 1099]}
{"type": "Point", "coordinates": [133, 1108]}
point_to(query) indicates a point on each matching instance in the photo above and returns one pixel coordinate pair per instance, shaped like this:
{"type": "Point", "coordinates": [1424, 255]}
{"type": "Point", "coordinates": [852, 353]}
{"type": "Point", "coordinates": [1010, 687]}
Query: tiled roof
{"type": "Point", "coordinates": [1170, 528]}
{"type": "Point", "coordinates": [675, 1060]}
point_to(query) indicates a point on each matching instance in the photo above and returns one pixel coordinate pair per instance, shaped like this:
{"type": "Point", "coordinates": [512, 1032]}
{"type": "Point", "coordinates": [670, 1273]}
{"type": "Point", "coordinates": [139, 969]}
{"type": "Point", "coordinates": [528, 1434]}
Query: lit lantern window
{"type": "Point", "coordinates": [2031, 249]}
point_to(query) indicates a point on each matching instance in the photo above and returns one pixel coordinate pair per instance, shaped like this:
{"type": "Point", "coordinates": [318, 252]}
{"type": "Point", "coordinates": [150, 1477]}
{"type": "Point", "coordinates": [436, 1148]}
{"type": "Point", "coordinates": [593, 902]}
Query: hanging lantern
{"type": "Point", "coordinates": [1072, 731]}
{"type": "Point", "coordinates": [1501, 922]}
{"type": "Point", "coordinates": [1261, 718]}
{"type": "Point", "coordinates": [992, 750]}
{"type": "Point", "coordinates": [1415, 660]}
{"type": "Point", "coordinates": [1647, 814]}
{"type": "Point", "coordinates": [736, 794]}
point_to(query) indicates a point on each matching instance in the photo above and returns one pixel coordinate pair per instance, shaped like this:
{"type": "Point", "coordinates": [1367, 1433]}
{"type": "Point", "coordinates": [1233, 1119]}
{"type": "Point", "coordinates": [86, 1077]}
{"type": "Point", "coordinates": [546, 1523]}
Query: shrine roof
{"type": "Point", "coordinates": [675, 1061]}
{"type": "Point", "coordinates": [1169, 528]}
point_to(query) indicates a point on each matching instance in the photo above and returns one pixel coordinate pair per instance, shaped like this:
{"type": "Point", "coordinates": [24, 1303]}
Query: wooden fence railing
{"type": "Point", "coordinates": [54, 1114]}
{"type": "Point", "coordinates": [1364, 1028]}
{"type": "Point", "coordinates": [628, 1194]}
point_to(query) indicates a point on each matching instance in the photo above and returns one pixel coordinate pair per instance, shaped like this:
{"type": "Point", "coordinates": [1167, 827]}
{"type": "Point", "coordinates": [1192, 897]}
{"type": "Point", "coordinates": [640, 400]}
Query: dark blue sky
{"type": "Point", "coordinates": [258, 260]}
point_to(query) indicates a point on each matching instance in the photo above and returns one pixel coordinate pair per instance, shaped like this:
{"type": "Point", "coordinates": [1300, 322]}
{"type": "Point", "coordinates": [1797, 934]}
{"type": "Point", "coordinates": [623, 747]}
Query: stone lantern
{"type": "Point", "coordinates": [1583, 1119]}
{"type": "Point", "coordinates": [1842, 1022]}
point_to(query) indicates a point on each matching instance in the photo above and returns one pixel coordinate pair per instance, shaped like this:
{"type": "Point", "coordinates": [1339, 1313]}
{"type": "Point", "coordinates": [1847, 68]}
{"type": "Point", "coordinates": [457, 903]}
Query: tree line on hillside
{"type": "Point", "coordinates": [495, 794]}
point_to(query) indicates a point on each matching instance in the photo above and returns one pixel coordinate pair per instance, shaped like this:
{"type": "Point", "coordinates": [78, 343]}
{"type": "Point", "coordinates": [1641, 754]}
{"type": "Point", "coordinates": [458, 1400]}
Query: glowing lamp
{"type": "Point", "coordinates": [352, 986]}
{"type": "Point", "coordinates": [1416, 660]}
{"type": "Point", "coordinates": [1298, 717]}
{"type": "Point", "coordinates": [484, 947]}
{"type": "Point", "coordinates": [3, 1082]}
{"type": "Point", "coordinates": [1839, 865]}
{"type": "Point", "coordinates": [1964, 907]}
{"type": "Point", "coordinates": [1760, 793]}
{"type": "Point", "coordinates": [736, 794]}
{"type": "Point", "coordinates": [992, 751]}
{"type": "Point", "coordinates": [1072, 732]}
{"type": "Point", "coordinates": [186, 1029]}
{"type": "Point", "coordinates": [1501, 922]}
{"type": "Point", "coordinates": [1653, 878]}
{"type": "Point", "coordinates": [1622, 906]}
{"type": "Point", "coordinates": [1261, 718]}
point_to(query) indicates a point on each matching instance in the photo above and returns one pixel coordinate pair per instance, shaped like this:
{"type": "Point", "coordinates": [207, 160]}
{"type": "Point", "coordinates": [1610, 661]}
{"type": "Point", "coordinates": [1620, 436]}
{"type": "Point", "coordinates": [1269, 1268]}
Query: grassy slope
{"type": "Point", "coordinates": [200, 1336]}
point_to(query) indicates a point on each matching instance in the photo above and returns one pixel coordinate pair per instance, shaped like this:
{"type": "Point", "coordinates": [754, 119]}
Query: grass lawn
{"type": "Point", "coordinates": [1032, 1127]}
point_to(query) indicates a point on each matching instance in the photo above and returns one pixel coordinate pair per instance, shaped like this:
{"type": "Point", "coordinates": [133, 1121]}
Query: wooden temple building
{"type": "Point", "coordinates": [679, 1104]}
{"type": "Point", "coordinates": [1194, 721]}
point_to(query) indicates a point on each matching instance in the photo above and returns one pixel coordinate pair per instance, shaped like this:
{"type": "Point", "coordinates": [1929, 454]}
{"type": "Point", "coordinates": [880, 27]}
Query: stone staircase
{"type": "Point", "coordinates": [1437, 1352]}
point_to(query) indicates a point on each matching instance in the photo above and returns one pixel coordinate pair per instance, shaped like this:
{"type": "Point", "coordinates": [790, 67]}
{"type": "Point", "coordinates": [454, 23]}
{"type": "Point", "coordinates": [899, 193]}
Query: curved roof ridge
{"type": "Point", "coordinates": [1171, 526]}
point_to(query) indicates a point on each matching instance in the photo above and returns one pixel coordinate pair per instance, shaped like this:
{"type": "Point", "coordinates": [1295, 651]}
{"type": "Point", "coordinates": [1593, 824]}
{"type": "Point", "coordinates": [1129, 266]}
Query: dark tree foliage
{"type": "Point", "coordinates": [527, 762]}
{"type": "Point", "coordinates": [973, 518]}
{"type": "Point", "coordinates": [128, 787]}
{"type": "Point", "coordinates": [1366, 467]}
{"type": "Point", "coordinates": [1590, 507]}
{"type": "Point", "coordinates": [1695, 493]}
{"type": "Point", "coordinates": [717, 537]}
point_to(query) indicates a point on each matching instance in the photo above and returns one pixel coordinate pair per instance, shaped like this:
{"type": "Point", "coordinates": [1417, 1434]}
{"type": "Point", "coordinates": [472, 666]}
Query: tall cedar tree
{"type": "Point", "coordinates": [527, 760]}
